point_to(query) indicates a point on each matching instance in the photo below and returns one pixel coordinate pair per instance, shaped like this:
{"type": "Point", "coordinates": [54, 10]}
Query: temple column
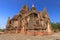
{"type": "Point", "coordinates": [19, 25]}
{"type": "Point", "coordinates": [16, 30]}
{"type": "Point", "coordinates": [49, 29]}
{"type": "Point", "coordinates": [23, 26]}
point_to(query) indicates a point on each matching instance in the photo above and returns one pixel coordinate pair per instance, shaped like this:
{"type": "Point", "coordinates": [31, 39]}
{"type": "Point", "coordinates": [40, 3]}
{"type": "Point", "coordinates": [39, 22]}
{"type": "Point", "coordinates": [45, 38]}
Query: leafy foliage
{"type": "Point", "coordinates": [55, 26]}
{"type": "Point", "coordinates": [2, 30]}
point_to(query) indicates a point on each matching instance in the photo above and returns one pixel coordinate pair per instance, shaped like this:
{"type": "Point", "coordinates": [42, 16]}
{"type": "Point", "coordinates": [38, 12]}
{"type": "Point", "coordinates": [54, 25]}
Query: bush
{"type": "Point", "coordinates": [55, 26]}
{"type": "Point", "coordinates": [2, 30]}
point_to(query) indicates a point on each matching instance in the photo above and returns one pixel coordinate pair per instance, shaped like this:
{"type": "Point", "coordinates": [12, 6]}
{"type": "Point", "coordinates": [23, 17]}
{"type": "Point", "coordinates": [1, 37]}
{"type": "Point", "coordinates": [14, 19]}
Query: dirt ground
{"type": "Point", "coordinates": [55, 36]}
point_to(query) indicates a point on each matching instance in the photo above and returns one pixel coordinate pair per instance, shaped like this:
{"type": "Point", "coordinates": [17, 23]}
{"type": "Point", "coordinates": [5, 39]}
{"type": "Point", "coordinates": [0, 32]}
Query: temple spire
{"type": "Point", "coordinates": [8, 18]}
{"type": "Point", "coordinates": [33, 7]}
{"type": "Point", "coordinates": [45, 13]}
{"type": "Point", "coordinates": [8, 22]}
{"type": "Point", "coordinates": [44, 9]}
{"type": "Point", "coordinates": [24, 9]}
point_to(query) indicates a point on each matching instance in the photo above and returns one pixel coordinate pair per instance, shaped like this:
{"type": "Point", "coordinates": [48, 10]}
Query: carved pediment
{"type": "Point", "coordinates": [15, 24]}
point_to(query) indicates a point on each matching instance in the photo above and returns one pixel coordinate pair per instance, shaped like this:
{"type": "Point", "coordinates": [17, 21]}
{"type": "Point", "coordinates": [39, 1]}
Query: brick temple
{"type": "Point", "coordinates": [29, 22]}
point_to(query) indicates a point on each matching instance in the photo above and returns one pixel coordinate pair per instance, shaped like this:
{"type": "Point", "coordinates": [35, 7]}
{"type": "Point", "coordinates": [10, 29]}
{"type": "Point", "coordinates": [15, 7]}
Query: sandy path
{"type": "Point", "coordinates": [55, 36]}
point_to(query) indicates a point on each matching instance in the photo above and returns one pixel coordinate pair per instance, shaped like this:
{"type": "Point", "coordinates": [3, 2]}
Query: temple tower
{"type": "Point", "coordinates": [29, 22]}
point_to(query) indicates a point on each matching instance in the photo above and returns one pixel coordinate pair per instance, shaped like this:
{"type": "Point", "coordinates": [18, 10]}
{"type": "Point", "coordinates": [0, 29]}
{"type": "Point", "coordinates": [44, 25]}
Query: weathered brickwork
{"type": "Point", "coordinates": [29, 22]}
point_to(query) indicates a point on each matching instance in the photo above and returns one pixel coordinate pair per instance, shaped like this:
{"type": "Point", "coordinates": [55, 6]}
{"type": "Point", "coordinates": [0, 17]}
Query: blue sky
{"type": "Point", "coordinates": [12, 7]}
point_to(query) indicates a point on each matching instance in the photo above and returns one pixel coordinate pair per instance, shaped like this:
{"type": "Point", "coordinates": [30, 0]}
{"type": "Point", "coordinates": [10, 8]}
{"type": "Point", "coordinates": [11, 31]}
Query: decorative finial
{"type": "Point", "coordinates": [8, 18]}
{"type": "Point", "coordinates": [33, 8]}
{"type": "Point", "coordinates": [33, 5]}
{"type": "Point", "coordinates": [8, 21]}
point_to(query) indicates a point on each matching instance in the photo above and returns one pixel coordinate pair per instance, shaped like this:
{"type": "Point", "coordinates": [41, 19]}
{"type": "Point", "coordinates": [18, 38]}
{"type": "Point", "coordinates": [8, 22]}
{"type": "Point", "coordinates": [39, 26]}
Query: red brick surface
{"type": "Point", "coordinates": [29, 32]}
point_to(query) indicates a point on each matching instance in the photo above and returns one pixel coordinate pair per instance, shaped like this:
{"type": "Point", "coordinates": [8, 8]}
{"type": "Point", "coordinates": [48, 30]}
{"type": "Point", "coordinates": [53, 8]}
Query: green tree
{"type": "Point", "coordinates": [2, 30]}
{"type": "Point", "coordinates": [58, 25]}
{"type": "Point", "coordinates": [54, 27]}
